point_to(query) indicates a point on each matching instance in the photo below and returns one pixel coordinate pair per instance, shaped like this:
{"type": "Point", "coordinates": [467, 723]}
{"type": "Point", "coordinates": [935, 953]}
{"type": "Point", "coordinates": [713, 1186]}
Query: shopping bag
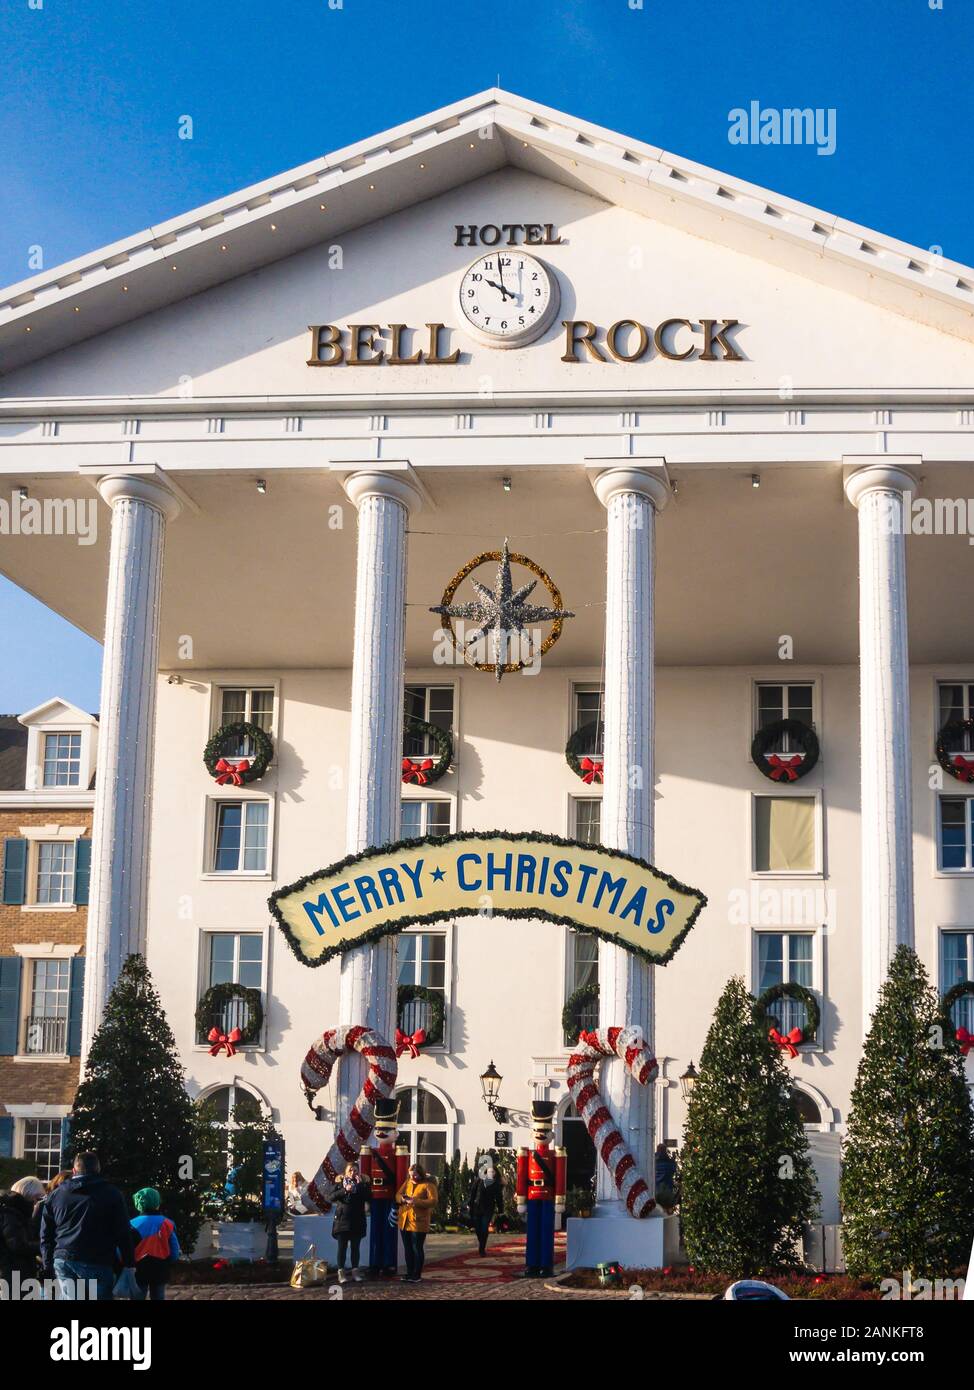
{"type": "Point", "coordinates": [127, 1286]}
{"type": "Point", "coordinates": [309, 1272]}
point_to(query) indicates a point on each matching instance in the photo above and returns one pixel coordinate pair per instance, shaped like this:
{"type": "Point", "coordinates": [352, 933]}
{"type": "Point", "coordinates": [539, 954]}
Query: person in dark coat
{"type": "Point", "coordinates": [350, 1200]}
{"type": "Point", "coordinates": [486, 1201]}
{"type": "Point", "coordinates": [18, 1253]}
{"type": "Point", "coordinates": [84, 1227]}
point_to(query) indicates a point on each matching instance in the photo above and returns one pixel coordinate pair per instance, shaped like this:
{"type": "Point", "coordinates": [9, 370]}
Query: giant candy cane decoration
{"type": "Point", "coordinates": [380, 1082]}
{"type": "Point", "coordinates": [627, 1044]}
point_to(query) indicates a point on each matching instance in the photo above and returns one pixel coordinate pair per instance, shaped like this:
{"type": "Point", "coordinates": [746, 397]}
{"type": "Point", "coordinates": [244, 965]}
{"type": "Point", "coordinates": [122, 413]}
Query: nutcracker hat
{"type": "Point", "coordinates": [386, 1112]}
{"type": "Point", "coordinates": [542, 1112]}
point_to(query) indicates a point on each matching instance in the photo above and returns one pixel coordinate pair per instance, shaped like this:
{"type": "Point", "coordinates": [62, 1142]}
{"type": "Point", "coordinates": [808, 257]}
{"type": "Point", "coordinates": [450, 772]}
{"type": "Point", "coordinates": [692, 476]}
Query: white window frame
{"type": "Point", "coordinates": [30, 952]}
{"type": "Point", "coordinates": [942, 986]}
{"type": "Point", "coordinates": [234, 1084]}
{"type": "Point", "coordinates": [965, 682]}
{"type": "Point", "coordinates": [572, 815]}
{"type": "Point", "coordinates": [210, 821]}
{"type": "Point", "coordinates": [818, 871]}
{"type": "Point", "coordinates": [248, 683]}
{"type": "Point", "coordinates": [951, 795]}
{"type": "Point", "coordinates": [785, 681]}
{"type": "Point", "coordinates": [817, 932]}
{"type": "Point", "coordinates": [448, 931]}
{"type": "Point", "coordinates": [570, 939]}
{"type": "Point", "coordinates": [203, 975]}
{"type": "Point", "coordinates": [58, 717]}
{"type": "Point", "coordinates": [575, 689]}
{"type": "Point", "coordinates": [424, 795]}
{"type": "Point", "coordinates": [427, 686]}
{"type": "Point", "coordinates": [419, 1083]}
{"type": "Point", "coordinates": [55, 734]}
{"type": "Point", "coordinates": [36, 835]}
{"type": "Point", "coordinates": [38, 1110]}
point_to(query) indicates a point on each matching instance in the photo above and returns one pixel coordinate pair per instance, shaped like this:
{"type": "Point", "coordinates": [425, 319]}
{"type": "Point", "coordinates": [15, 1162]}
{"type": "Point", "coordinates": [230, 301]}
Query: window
{"type": "Point", "coordinates": [434, 705]}
{"type": "Point", "coordinates": [421, 960]}
{"type": "Point", "coordinates": [775, 702]}
{"type": "Point", "coordinates": [956, 702]}
{"type": "Point", "coordinates": [785, 835]}
{"type": "Point", "coordinates": [46, 1029]}
{"type": "Point", "coordinates": [226, 1109]}
{"type": "Point", "coordinates": [55, 871]}
{"type": "Point", "coordinates": [956, 833]}
{"type": "Point", "coordinates": [42, 1147]}
{"type": "Point", "coordinates": [421, 819]}
{"type": "Point", "coordinates": [241, 837]}
{"type": "Point", "coordinates": [786, 958]}
{"type": "Point", "coordinates": [588, 709]}
{"type": "Point", "coordinates": [583, 970]}
{"type": "Point", "coordinates": [231, 958]}
{"type": "Point", "coordinates": [587, 815]}
{"type": "Point", "coordinates": [242, 706]}
{"type": "Point", "coordinates": [956, 967]}
{"type": "Point", "coordinates": [424, 1127]}
{"type": "Point", "coordinates": [62, 760]}
{"type": "Point", "coordinates": [805, 1107]}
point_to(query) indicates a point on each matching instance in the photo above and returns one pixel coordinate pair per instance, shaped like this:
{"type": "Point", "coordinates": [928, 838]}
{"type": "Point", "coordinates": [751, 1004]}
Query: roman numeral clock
{"type": "Point", "coordinates": [508, 298]}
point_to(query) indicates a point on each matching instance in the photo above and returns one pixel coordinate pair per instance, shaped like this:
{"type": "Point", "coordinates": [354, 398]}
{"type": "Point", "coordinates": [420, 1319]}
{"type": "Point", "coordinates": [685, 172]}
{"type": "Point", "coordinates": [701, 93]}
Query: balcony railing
{"type": "Point", "coordinates": [45, 1036]}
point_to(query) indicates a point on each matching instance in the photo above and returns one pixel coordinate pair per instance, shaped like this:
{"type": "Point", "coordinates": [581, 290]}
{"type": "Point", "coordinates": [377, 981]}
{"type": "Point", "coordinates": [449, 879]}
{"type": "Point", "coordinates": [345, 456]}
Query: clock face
{"type": "Point", "coordinates": [508, 298]}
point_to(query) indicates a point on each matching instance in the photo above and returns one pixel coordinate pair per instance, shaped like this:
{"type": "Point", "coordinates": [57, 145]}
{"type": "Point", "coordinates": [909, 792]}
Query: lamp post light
{"type": "Point", "coordinates": [490, 1082]}
{"type": "Point", "coordinates": [688, 1080]}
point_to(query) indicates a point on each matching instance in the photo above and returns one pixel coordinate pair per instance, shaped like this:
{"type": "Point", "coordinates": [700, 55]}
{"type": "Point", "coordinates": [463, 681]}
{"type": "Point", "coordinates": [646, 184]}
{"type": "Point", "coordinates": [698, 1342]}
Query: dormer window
{"type": "Point", "coordinates": [62, 760]}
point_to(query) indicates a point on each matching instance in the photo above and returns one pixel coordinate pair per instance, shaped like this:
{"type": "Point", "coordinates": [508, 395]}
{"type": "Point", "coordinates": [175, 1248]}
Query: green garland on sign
{"type": "Point", "coordinates": [802, 996]}
{"type": "Point", "coordinates": [217, 997]}
{"type": "Point", "coordinates": [574, 750]}
{"type": "Point", "coordinates": [442, 741]}
{"type": "Point", "coordinates": [955, 729]}
{"type": "Point", "coordinates": [215, 750]}
{"type": "Point", "coordinates": [800, 735]}
{"type": "Point", "coordinates": [574, 1005]}
{"type": "Point", "coordinates": [406, 994]}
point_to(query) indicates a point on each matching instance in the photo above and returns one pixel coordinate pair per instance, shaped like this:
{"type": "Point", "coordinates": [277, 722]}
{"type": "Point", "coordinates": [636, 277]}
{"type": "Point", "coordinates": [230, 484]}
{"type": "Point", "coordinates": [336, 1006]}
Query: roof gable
{"type": "Point", "coordinates": [450, 147]}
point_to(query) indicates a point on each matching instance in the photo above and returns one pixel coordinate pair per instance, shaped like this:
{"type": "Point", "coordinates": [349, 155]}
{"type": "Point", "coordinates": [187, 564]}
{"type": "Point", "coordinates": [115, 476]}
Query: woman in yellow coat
{"type": "Point", "coordinates": [416, 1200]}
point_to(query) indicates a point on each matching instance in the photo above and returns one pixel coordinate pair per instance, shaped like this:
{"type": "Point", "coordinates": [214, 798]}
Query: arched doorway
{"type": "Point", "coordinates": [229, 1111]}
{"type": "Point", "coordinates": [427, 1124]}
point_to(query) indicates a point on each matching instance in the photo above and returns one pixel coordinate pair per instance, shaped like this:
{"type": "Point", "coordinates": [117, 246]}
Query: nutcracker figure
{"type": "Point", "coordinates": [541, 1173]}
{"type": "Point", "coordinates": [385, 1163]}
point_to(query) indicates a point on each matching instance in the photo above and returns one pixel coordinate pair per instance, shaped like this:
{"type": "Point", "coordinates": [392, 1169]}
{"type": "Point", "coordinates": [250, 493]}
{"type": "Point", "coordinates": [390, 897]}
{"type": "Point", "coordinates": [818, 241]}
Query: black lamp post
{"type": "Point", "coordinates": [490, 1082]}
{"type": "Point", "coordinates": [688, 1080]}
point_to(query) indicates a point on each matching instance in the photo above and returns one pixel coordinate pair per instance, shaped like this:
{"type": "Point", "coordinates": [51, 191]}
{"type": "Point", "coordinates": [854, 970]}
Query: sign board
{"type": "Point", "coordinates": [273, 1174]}
{"type": "Point", "coordinates": [379, 892]}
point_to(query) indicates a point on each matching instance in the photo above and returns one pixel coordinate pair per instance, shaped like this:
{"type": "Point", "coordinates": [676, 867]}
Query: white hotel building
{"type": "Point", "coordinates": [764, 385]}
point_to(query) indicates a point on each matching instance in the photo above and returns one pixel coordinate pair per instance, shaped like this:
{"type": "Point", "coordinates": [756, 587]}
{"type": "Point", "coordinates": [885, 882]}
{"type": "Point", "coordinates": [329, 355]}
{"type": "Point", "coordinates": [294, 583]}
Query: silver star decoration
{"type": "Point", "coordinates": [502, 612]}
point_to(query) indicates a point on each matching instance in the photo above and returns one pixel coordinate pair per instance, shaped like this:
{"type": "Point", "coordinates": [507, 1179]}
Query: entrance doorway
{"type": "Point", "coordinates": [580, 1152]}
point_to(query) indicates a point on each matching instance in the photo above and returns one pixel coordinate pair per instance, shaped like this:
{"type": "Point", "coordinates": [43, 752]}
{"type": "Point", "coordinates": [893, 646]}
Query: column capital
{"type": "Point", "coordinates": [646, 479]}
{"type": "Point", "coordinates": [397, 483]}
{"type": "Point", "coordinates": [139, 483]}
{"type": "Point", "coordinates": [864, 473]}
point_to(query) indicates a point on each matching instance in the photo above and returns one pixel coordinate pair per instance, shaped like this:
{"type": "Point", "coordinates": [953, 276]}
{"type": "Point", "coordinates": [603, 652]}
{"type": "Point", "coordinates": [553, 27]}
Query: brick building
{"type": "Point", "coordinates": [47, 759]}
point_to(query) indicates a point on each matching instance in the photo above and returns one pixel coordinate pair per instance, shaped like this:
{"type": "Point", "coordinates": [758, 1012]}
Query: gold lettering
{"type": "Point", "coordinates": [574, 340]}
{"type": "Point", "coordinates": [713, 335]}
{"type": "Point", "coordinates": [549, 235]}
{"type": "Point", "coordinates": [326, 335]}
{"type": "Point", "coordinates": [642, 340]}
{"type": "Point", "coordinates": [659, 340]}
{"type": "Point", "coordinates": [395, 358]}
{"type": "Point", "coordinates": [362, 338]}
{"type": "Point", "coordinates": [433, 351]}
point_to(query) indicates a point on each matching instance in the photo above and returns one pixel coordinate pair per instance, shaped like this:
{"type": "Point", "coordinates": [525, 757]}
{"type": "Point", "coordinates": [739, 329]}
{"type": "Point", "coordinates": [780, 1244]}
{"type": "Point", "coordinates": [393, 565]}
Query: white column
{"type": "Point", "coordinates": [631, 497]}
{"type": "Point", "coordinates": [881, 491]}
{"type": "Point", "coordinates": [141, 507]}
{"type": "Point", "coordinates": [384, 502]}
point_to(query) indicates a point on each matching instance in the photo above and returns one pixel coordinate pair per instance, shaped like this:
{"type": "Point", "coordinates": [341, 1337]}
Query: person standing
{"type": "Point", "coordinates": [18, 1250]}
{"type": "Point", "coordinates": [296, 1188]}
{"type": "Point", "coordinates": [416, 1200]}
{"type": "Point", "coordinates": [84, 1228]}
{"type": "Point", "coordinates": [486, 1200]}
{"type": "Point", "coordinates": [350, 1199]}
{"type": "Point", "coordinates": [157, 1245]}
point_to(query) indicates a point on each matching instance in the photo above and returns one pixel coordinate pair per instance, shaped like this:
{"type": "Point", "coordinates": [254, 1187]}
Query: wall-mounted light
{"type": "Point", "coordinates": [755, 479]}
{"type": "Point", "coordinates": [688, 1080]}
{"type": "Point", "coordinates": [262, 485]}
{"type": "Point", "coordinates": [23, 493]}
{"type": "Point", "coordinates": [506, 484]}
{"type": "Point", "coordinates": [175, 679]}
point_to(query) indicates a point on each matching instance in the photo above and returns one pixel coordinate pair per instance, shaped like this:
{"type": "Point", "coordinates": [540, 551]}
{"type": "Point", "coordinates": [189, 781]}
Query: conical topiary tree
{"type": "Point", "coordinates": [907, 1188]}
{"type": "Point", "coordinates": [132, 1108]}
{"type": "Point", "coordinates": [748, 1189]}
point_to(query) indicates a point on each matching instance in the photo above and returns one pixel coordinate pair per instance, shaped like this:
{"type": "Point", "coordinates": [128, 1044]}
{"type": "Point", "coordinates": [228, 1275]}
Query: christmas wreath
{"type": "Point", "coordinates": [953, 762]}
{"type": "Point", "coordinates": [423, 771]}
{"type": "Point", "coordinates": [588, 766]}
{"type": "Point", "coordinates": [233, 769]}
{"type": "Point", "coordinates": [956, 992]}
{"type": "Point", "coordinates": [575, 1006]}
{"type": "Point", "coordinates": [408, 994]}
{"type": "Point", "coordinates": [785, 767]}
{"type": "Point", "coordinates": [211, 1010]}
{"type": "Point", "coordinates": [790, 1042]}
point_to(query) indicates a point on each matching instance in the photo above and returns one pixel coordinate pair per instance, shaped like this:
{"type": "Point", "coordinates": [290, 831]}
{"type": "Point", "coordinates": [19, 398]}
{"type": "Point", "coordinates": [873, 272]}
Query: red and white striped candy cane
{"type": "Point", "coordinates": [626, 1043]}
{"type": "Point", "coordinates": [380, 1082]}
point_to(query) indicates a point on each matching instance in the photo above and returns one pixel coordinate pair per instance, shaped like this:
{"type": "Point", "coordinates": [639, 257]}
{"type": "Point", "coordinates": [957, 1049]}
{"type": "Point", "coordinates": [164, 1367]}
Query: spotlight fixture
{"type": "Point", "coordinates": [755, 479]}
{"type": "Point", "coordinates": [506, 484]}
{"type": "Point", "coordinates": [23, 493]}
{"type": "Point", "coordinates": [175, 679]}
{"type": "Point", "coordinates": [262, 485]}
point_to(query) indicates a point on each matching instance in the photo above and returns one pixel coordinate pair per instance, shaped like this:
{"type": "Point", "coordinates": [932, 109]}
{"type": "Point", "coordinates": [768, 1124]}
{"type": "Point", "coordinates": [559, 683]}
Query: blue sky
{"type": "Point", "coordinates": [93, 92]}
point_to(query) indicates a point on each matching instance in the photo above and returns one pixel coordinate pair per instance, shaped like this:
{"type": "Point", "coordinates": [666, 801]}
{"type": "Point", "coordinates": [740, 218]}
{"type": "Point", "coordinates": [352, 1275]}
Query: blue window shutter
{"type": "Point", "coordinates": [75, 1004]}
{"type": "Point", "coordinates": [65, 1141]}
{"type": "Point", "coordinates": [9, 1004]}
{"type": "Point", "coordinates": [14, 871]}
{"type": "Point", "coordinates": [6, 1136]}
{"type": "Point", "coordinates": [82, 872]}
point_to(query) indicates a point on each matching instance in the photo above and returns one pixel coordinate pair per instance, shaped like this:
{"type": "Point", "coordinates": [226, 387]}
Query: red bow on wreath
{"type": "Point", "coordinates": [413, 771]}
{"type": "Point", "coordinates": [964, 767]}
{"type": "Point", "coordinates": [788, 1043]}
{"type": "Point", "coordinates": [410, 1043]}
{"type": "Point", "coordinates": [592, 771]}
{"type": "Point", "coordinates": [223, 1040]}
{"type": "Point", "coordinates": [965, 1039]}
{"type": "Point", "coordinates": [231, 772]}
{"type": "Point", "coordinates": [785, 767]}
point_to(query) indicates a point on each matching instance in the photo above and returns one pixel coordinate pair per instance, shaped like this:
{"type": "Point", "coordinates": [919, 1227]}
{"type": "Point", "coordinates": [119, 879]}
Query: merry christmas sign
{"type": "Point", "coordinates": [602, 891]}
